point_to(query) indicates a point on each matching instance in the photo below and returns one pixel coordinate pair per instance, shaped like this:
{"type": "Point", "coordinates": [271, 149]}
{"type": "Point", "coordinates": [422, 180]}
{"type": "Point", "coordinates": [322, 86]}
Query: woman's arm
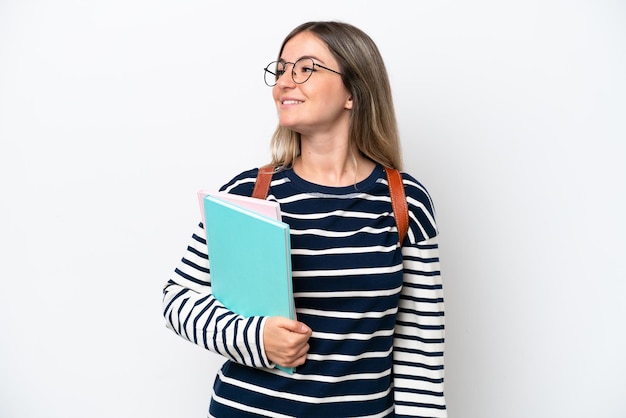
{"type": "Point", "coordinates": [419, 331]}
{"type": "Point", "coordinates": [191, 311]}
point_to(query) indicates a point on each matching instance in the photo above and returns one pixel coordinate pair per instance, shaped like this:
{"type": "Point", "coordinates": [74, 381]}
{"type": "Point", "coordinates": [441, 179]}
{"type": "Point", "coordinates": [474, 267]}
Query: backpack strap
{"type": "Point", "coordinates": [398, 202]}
{"type": "Point", "coordinates": [396, 191]}
{"type": "Point", "coordinates": [263, 180]}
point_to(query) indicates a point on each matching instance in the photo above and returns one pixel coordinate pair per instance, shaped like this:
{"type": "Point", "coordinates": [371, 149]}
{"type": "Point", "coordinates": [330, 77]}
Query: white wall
{"type": "Point", "coordinates": [113, 114]}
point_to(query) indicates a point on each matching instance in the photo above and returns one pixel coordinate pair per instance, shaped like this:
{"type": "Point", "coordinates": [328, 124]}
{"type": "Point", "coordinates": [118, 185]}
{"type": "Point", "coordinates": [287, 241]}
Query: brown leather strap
{"type": "Point", "coordinates": [263, 180]}
{"type": "Point", "coordinates": [398, 202]}
{"type": "Point", "coordinates": [396, 191]}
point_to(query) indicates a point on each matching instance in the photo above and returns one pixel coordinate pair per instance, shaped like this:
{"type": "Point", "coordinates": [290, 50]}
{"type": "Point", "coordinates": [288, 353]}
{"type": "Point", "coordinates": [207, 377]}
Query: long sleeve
{"type": "Point", "coordinates": [418, 365]}
{"type": "Point", "coordinates": [418, 355]}
{"type": "Point", "coordinates": [376, 310]}
{"type": "Point", "coordinates": [191, 311]}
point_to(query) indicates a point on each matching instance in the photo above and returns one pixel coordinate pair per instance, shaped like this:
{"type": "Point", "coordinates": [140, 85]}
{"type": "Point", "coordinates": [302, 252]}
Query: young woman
{"type": "Point", "coordinates": [369, 336]}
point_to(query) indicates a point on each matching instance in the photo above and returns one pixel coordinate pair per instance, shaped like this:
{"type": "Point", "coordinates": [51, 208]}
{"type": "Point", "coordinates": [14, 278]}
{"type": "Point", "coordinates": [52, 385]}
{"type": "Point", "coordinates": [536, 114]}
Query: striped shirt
{"type": "Point", "coordinates": [376, 309]}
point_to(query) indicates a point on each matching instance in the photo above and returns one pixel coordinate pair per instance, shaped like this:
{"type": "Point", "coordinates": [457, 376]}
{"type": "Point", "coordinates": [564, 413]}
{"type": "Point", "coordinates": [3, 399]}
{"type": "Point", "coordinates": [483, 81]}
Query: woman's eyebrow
{"type": "Point", "coordinates": [313, 57]}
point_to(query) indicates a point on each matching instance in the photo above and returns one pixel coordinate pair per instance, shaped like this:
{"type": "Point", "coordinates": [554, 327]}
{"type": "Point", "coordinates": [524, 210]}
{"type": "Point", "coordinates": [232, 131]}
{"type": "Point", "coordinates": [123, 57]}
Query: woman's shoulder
{"type": "Point", "coordinates": [242, 183]}
{"type": "Point", "coordinates": [421, 206]}
{"type": "Point", "coordinates": [415, 189]}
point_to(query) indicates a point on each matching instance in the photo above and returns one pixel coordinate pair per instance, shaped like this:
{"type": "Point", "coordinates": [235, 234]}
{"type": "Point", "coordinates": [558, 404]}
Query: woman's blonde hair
{"type": "Point", "coordinates": [373, 126]}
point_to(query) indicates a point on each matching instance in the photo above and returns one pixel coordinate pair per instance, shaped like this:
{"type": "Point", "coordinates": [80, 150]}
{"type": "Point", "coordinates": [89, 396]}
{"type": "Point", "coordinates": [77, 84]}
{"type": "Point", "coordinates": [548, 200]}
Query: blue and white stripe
{"type": "Point", "coordinates": [376, 310]}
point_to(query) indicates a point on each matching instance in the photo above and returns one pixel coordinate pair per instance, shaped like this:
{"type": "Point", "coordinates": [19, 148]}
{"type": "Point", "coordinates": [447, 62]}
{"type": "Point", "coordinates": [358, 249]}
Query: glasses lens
{"type": "Point", "coordinates": [302, 70]}
{"type": "Point", "coordinates": [272, 72]}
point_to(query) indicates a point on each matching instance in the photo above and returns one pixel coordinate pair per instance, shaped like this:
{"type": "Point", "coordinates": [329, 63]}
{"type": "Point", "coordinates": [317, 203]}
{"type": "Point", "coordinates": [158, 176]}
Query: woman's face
{"type": "Point", "coordinates": [322, 104]}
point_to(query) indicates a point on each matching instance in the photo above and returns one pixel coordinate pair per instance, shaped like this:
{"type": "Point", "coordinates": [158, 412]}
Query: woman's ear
{"type": "Point", "coordinates": [348, 105]}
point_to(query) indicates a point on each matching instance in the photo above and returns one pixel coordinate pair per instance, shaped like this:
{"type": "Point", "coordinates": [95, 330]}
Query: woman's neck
{"type": "Point", "coordinates": [334, 169]}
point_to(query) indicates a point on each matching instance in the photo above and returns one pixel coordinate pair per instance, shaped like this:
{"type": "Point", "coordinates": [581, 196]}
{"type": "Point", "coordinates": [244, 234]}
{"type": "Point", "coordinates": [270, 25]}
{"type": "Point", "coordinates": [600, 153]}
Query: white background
{"type": "Point", "coordinates": [114, 113]}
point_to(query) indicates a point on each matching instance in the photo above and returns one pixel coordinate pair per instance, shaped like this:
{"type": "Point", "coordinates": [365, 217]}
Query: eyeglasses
{"type": "Point", "coordinates": [301, 71]}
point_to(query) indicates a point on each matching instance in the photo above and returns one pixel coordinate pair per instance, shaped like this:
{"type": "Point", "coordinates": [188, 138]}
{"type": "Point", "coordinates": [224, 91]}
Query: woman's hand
{"type": "Point", "coordinates": [286, 341]}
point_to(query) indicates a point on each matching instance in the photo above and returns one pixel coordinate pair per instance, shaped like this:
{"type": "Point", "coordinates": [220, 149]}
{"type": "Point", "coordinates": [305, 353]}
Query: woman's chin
{"type": "Point", "coordinates": [289, 125]}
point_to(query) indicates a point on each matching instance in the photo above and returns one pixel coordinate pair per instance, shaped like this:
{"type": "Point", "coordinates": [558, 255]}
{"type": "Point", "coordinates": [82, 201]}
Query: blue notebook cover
{"type": "Point", "coordinates": [249, 260]}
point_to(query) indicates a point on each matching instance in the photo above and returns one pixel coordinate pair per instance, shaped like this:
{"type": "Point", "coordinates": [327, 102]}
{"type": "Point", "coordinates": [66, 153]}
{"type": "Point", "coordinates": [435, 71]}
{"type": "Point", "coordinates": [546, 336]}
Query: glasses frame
{"type": "Point", "coordinates": [293, 72]}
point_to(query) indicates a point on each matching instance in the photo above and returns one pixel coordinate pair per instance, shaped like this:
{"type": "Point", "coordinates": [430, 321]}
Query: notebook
{"type": "Point", "coordinates": [249, 258]}
{"type": "Point", "coordinates": [264, 207]}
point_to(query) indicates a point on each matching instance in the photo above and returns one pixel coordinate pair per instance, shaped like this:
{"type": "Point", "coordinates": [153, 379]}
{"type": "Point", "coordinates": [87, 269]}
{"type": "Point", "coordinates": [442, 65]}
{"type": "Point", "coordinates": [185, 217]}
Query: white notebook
{"type": "Point", "coordinates": [264, 207]}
